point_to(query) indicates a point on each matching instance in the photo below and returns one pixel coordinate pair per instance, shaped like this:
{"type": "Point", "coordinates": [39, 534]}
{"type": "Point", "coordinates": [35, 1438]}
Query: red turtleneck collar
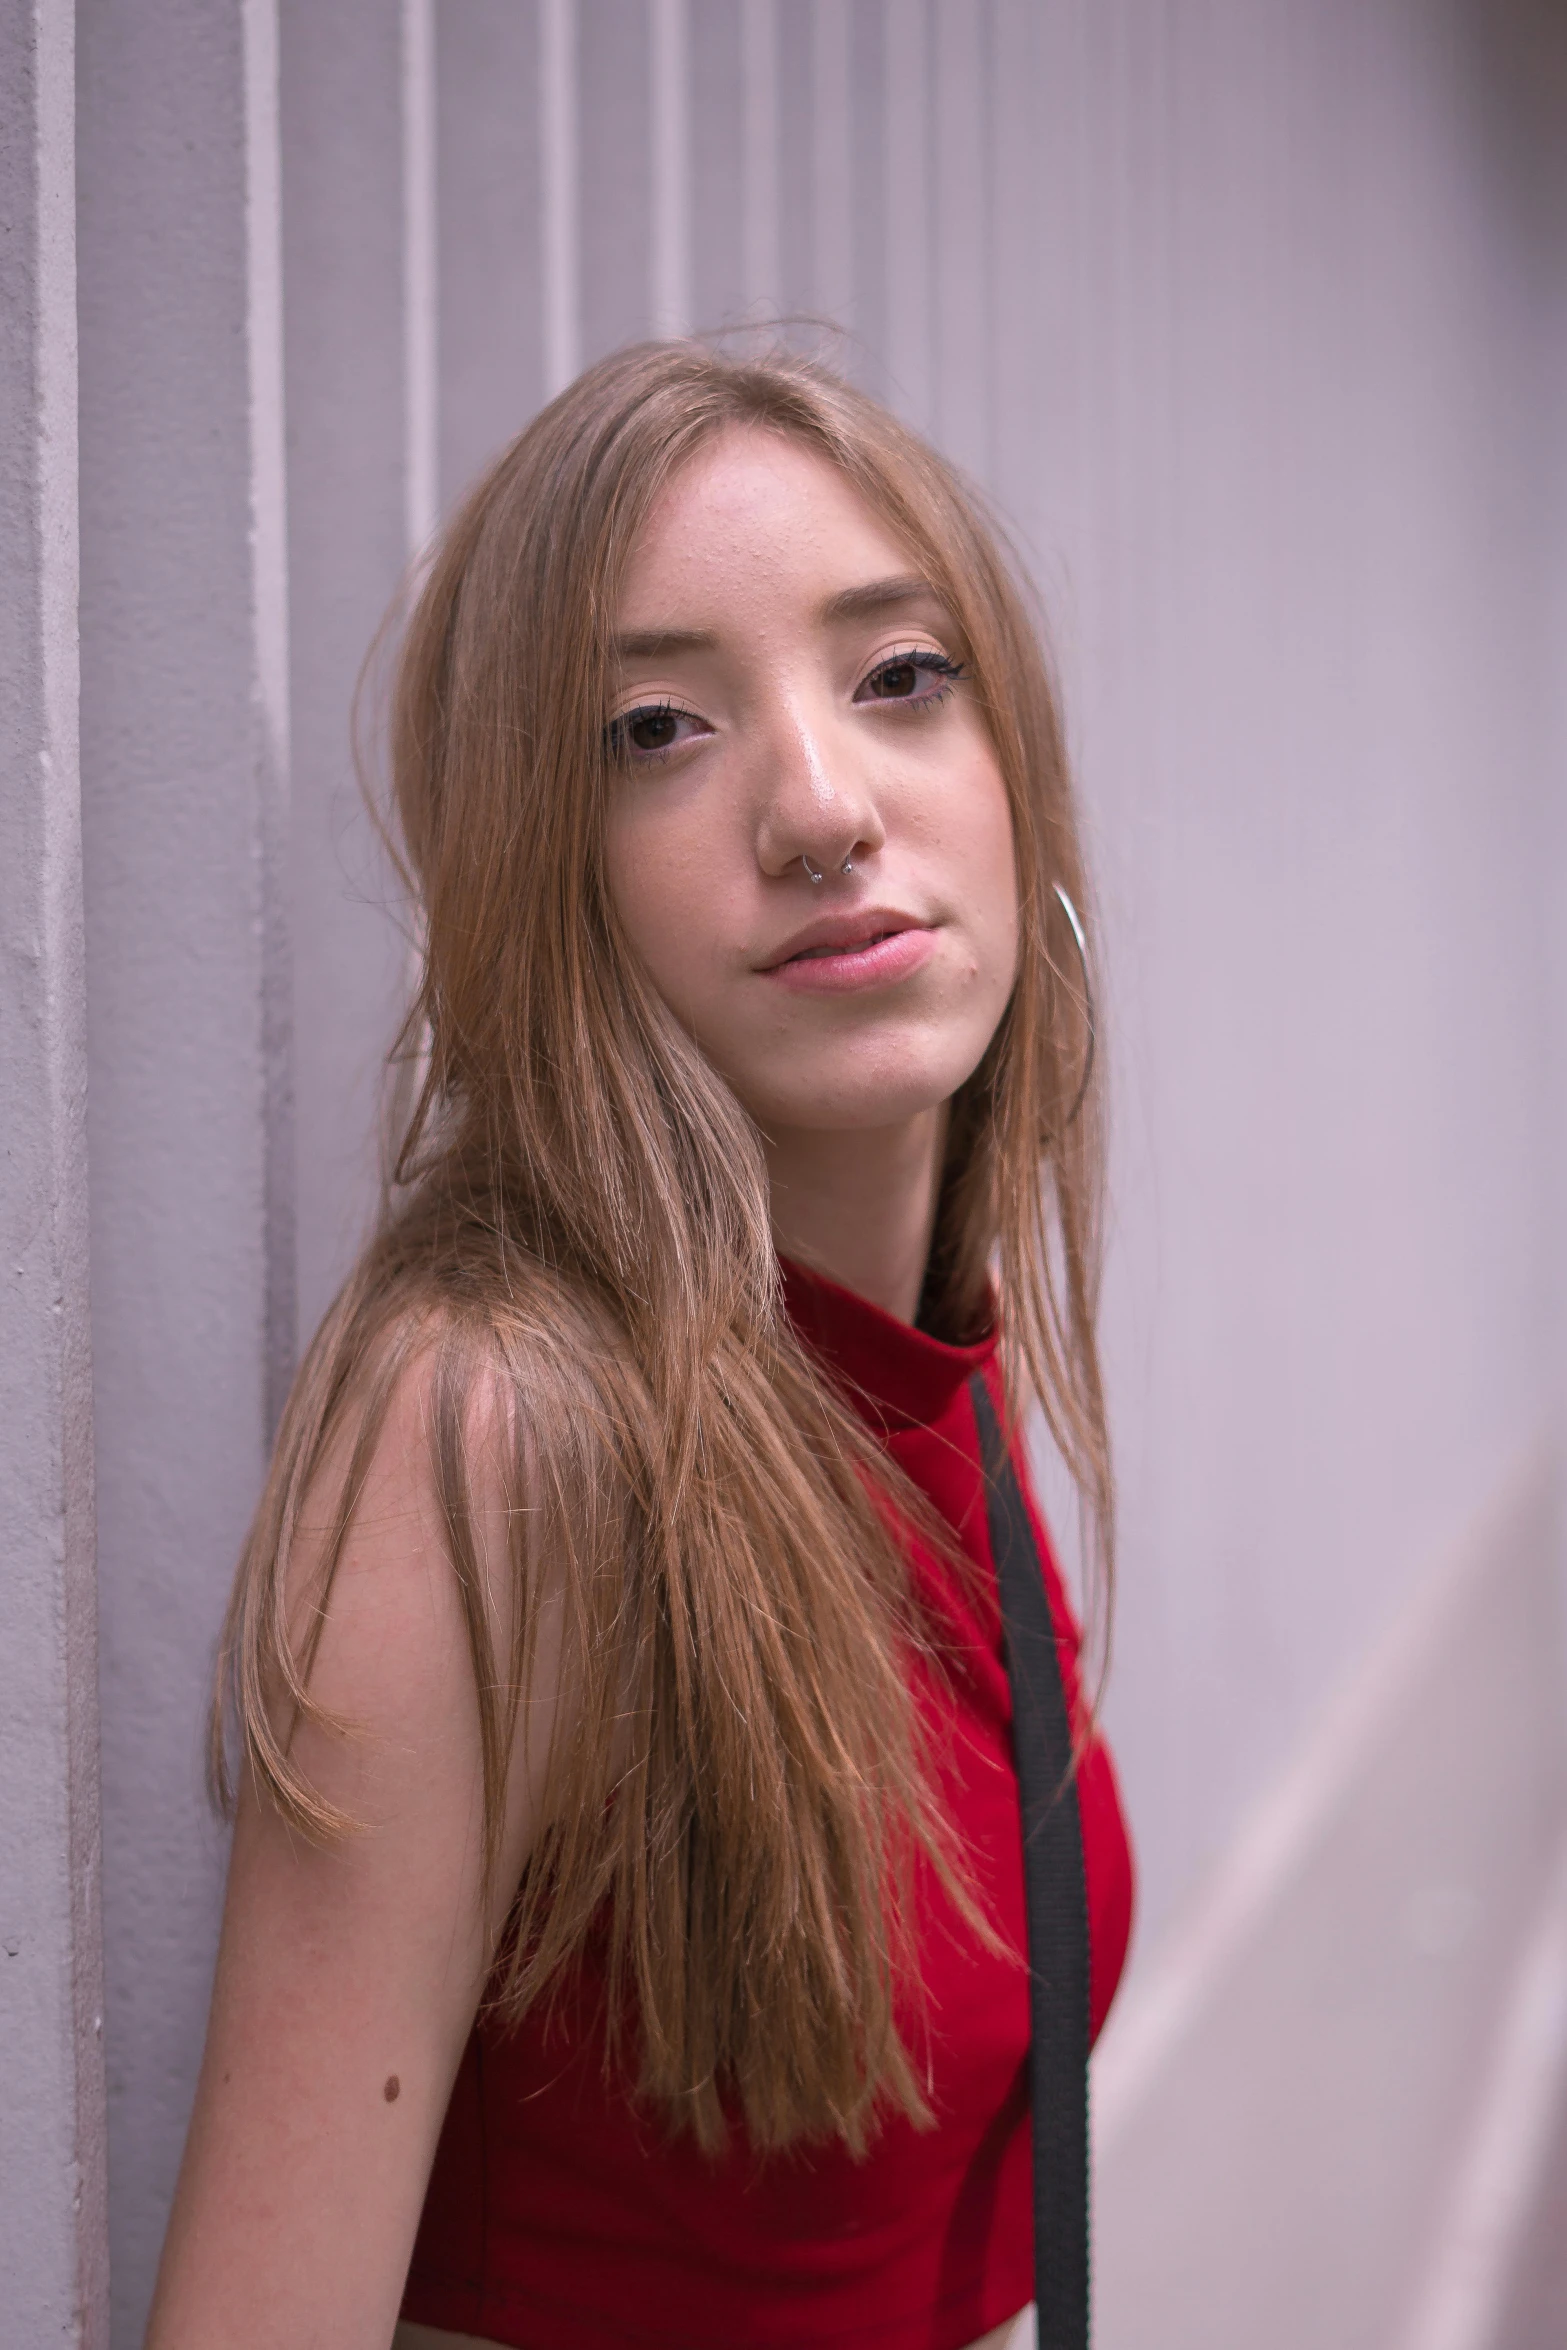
{"type": "Point", "coordinates": [900, 1377]}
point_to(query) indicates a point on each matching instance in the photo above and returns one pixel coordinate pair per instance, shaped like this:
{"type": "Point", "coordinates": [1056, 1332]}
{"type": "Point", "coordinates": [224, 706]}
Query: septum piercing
{"type": "Point", "coordinates": [846, 867]}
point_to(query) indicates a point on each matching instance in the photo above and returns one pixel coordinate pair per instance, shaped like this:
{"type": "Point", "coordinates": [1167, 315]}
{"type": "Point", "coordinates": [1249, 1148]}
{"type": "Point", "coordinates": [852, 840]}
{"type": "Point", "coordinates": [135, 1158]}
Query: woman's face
{"type": "Point", "coordinates": [790, 700]}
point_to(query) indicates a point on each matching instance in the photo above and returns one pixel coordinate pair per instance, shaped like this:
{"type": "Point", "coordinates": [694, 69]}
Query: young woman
{"type": "Point", "coordinates": [625, 1939]}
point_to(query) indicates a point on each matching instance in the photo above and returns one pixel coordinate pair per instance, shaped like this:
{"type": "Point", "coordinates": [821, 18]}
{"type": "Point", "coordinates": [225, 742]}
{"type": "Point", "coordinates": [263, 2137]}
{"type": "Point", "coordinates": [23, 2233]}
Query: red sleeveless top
{"type": "Point", "coordinates": [561, 2216]}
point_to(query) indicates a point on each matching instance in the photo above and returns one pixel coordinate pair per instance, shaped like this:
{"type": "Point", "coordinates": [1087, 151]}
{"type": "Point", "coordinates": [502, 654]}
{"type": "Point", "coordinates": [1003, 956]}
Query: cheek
{"type": "Point", "coordinates": [989, 861]}
{"type": "Point", "coordinates": [663, 899]}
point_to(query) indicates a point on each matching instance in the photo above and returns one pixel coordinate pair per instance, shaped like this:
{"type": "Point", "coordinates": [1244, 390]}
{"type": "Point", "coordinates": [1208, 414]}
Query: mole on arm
{"type": "Point", "coordinates": [393, 2086]}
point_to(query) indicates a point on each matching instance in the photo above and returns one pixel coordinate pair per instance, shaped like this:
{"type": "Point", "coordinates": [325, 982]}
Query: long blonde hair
{"type": "Point", "coordinates": [580, 1214]}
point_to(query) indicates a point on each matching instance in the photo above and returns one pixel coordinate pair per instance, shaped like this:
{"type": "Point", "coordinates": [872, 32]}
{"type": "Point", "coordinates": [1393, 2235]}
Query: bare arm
{"type": "Point", "coordinates": [348, 1976]}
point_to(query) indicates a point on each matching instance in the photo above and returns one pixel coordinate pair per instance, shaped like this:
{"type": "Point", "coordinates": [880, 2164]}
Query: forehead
{"type": "Point", "coordinates": [754, 511]}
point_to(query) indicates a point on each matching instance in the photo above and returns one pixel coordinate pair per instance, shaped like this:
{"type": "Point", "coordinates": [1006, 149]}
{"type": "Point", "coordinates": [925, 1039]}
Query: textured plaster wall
{"type": "Point", "coordinates": [183, 701]}
{"type": "Point", "coordinates": [53, 2266]}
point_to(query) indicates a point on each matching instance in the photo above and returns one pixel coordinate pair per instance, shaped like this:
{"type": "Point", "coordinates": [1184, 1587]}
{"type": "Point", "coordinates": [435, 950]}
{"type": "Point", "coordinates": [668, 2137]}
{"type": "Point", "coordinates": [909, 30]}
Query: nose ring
{"type": "Point", "coordinates": [846, 867]}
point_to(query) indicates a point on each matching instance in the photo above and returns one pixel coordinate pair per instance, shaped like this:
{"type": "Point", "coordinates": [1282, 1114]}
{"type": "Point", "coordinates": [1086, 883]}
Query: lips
{"type": "Point", "coordinates": [841, 934]}
{"type": "Point", "coordinates": [848, 954]}
{"type": "Point", "coordinates": [858, 946]}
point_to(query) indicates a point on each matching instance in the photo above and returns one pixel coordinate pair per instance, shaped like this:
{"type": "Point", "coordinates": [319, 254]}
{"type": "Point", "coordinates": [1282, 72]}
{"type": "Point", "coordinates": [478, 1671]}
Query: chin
{"type": "Point", "coordinates": [842, 1097]}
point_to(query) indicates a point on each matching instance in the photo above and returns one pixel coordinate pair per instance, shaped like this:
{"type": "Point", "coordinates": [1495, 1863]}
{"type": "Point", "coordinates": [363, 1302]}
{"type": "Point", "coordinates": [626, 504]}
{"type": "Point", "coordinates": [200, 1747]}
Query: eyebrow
{"type": "Point", "coordinates": [879, 595]}
{"type": "Point", "coordinates": [657, 644]}
{"type": "Point", "coordinates": [854, 603]}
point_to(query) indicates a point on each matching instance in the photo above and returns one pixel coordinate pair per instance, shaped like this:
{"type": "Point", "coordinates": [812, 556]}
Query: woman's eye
{"type": "Point", "coordinates": [654, 731]}
{"type": "Point", "coordinates": [643, 734]}
{"type": "Point", "coordinates": [922, 676]}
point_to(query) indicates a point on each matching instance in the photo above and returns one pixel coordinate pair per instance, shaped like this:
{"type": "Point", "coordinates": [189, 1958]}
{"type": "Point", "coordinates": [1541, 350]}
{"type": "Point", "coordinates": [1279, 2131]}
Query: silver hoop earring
{"type": "Point", "coordinates": [1081, 944]}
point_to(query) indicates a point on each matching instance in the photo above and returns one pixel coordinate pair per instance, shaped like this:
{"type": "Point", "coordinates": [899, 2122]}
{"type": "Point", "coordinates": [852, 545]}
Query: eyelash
{"type": "Point", "coordinates": [923, 657]}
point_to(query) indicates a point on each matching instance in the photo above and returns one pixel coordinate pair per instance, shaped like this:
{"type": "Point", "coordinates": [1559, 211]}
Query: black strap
{"type": "Point", "coordinates": [1056, 1902]}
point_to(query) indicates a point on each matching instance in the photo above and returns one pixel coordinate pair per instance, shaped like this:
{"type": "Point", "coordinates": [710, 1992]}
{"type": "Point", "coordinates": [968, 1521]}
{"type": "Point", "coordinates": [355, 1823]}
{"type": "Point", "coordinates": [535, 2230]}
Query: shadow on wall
{"type": "Point", "coordinates": [1321, 2107]}
{"type": "Point", "coordinates": [1518, 74]}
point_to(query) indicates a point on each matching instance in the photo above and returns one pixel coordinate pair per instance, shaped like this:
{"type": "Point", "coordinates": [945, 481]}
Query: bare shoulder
{"type": "Point", "coordinates": [403, 1611]}
{"type": "Point", "coordinates": [398, 1609]}
{"type": "Point", "coordinates": [392, 1562]}
{"type": "Point", "coordinates": [351, 1963]}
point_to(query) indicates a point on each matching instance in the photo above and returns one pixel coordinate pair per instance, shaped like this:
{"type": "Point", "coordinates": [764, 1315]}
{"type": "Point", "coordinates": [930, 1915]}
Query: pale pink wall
{"type": "Point", "coordinates": [1292, 508]}
{"type": "Point", "coordinates": [1239, 311]}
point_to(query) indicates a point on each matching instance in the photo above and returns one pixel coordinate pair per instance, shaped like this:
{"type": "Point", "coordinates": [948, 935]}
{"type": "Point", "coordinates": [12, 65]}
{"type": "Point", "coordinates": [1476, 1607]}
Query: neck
{"type": "Point", "coordinates": [861, 1206]}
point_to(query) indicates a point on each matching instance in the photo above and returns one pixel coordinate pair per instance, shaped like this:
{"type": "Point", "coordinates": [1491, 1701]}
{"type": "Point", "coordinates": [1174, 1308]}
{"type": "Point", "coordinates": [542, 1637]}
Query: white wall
{"type": "Point", "coordinates": [1239, 312]}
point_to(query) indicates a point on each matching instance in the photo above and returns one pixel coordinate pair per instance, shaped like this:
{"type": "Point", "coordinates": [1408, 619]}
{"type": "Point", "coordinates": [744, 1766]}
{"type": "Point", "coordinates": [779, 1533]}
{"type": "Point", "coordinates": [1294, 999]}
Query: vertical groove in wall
{"type": "Point", "coordinates": [833, 270]}
{"type": "Point", "coordinates": [269, 620]}
{"type": "Point", "coordinates": [58, 396]}
{"type": "Point", "coordinates": [420, 293]}
{"type": "Point", "coordinates": [669, 34]}
{"type": "Point", "coordinates": [799, 297]}
{"type": "Point", "coordinates": [1021, 419]}
{"type": "Point", "coordinates": [866, 67]}
{"type": "Point", "coordinates": [342, 110]}
{"type": "Point", "coordinates": [994, 293]}
{"type": "Point", "coordinates": [561, 225]}
{"type": "Point", "coordinates": [759, 102]}
{"type": "Point", "coordinates": [614, 175]}
{"type": "Point", "coordinates": [717, 168]}
{"type": "Point", "coordinates": [421, 296]}
{"type": "Point", "coordinates": [908, 259]}
{"type": "Point", "coordinates": [489, 201]}
{"type": "Point", "coordinates": [959, 216]}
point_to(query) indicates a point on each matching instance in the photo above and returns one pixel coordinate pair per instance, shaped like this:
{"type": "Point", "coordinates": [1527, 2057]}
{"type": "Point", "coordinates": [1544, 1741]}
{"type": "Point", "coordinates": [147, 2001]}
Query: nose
{"type": "Point", "coordinates": [816, 814]}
